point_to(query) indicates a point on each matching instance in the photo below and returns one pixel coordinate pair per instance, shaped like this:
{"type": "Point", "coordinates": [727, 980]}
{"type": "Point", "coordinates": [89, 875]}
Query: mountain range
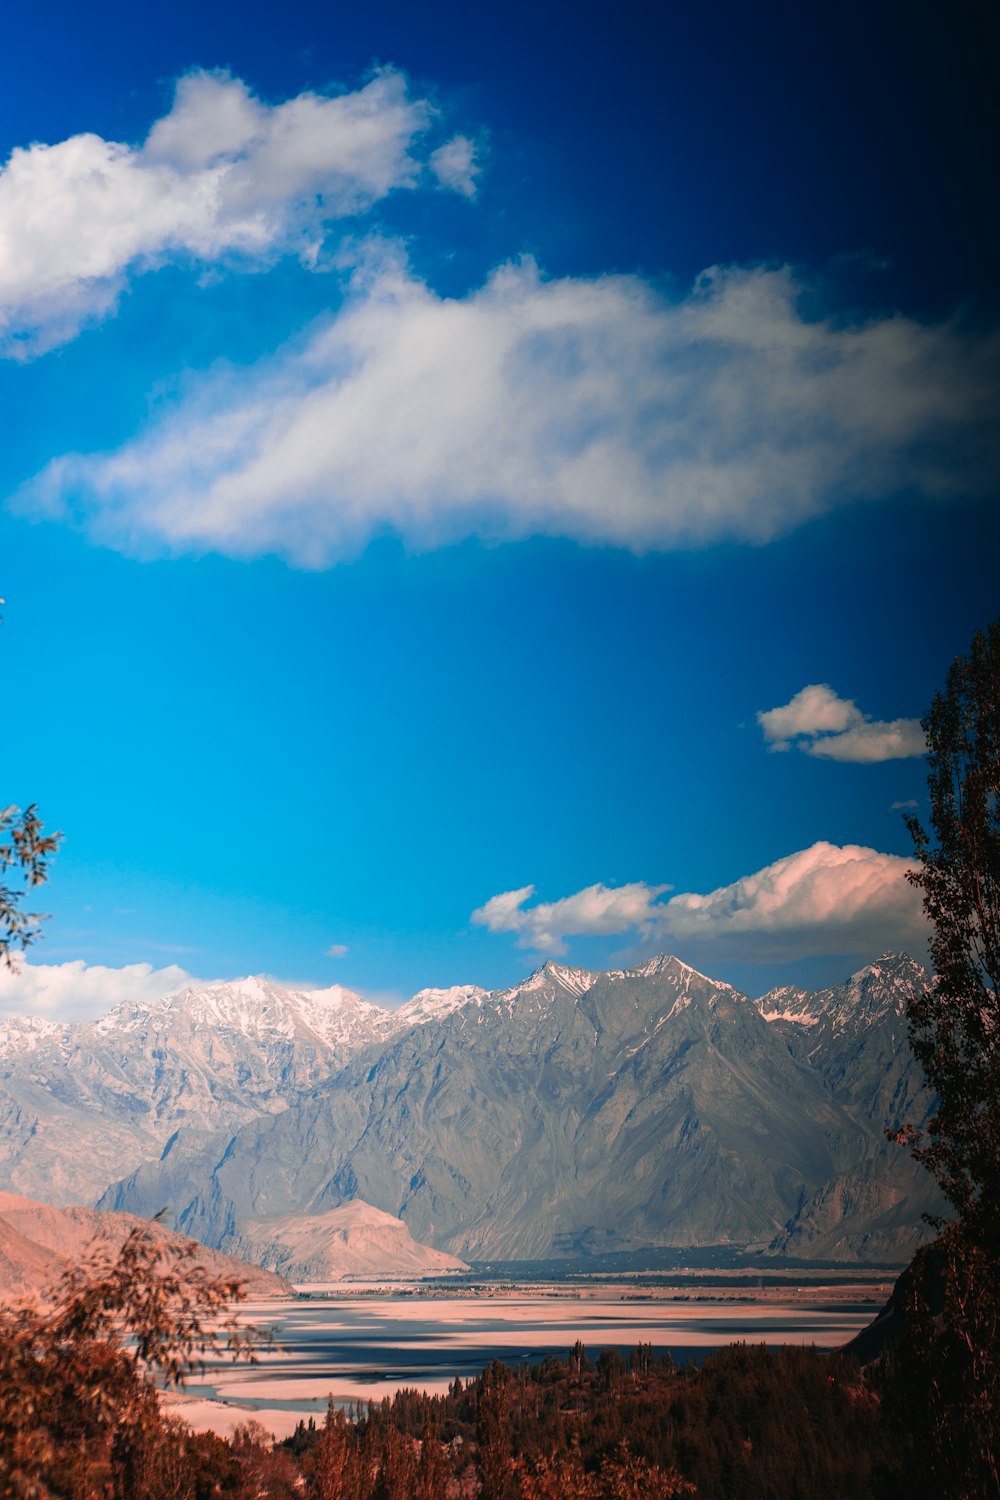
{"type": "Point", "coordinates": [570, 1114]}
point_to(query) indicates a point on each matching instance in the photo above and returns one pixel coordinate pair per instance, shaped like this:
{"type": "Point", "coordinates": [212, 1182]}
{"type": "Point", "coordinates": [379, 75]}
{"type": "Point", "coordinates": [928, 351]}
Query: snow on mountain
{"type": "Point", "coordinates": [549, 978]}
{"type": "Point", "coordinates": [787, 1003]}
{"type": "Point", "coordinates": [572, 1111]}
{"type": "Point", "coordinates": [867, 996]}
{"type": "Point", "coordinates": [580, 1112]}
{"type": "Point", "coordinates": [434, 1004]}
{"type": "Point", "coordinates": [258, 1009]}
{"type": "Point", "coordinates": [21, 1034]}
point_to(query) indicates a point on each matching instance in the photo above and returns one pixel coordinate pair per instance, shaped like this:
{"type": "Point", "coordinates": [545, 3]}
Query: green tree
{"type": "Point", "coordinates": [24, 854]}
{"type": "Point", "coordinates": [24, 851]}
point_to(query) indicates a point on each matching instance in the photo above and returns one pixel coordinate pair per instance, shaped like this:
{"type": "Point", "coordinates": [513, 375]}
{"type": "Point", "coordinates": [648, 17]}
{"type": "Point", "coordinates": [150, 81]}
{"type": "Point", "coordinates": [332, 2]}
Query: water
{"type": "Point", "coordinates": [364, 1347]}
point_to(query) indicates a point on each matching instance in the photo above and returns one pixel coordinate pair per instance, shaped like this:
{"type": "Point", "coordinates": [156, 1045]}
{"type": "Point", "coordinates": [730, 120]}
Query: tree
{"type": "Point", "coordinates": [79, 1412]}
{"type": "Point", "coordinates": [955, 1026]}
{"type": "Point", "coordinates": [946, 1368]}
{"type": "Point", "coordinates": [25, 850]}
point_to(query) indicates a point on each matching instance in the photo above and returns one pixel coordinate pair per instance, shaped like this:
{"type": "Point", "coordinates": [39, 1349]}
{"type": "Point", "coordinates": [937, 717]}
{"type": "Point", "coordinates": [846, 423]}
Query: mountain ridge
{"type": "Point", "coordinates": [575, 1111]}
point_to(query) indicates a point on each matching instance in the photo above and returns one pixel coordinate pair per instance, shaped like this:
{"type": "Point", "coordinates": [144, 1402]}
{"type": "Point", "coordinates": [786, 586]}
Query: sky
{"type": "Point", "coordinates": [479, 488]}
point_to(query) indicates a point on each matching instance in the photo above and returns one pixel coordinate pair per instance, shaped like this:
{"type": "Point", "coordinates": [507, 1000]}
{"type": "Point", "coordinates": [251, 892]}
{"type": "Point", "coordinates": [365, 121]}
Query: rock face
{"type": "Point", "coordinates": [353, 1240]}
{"type": "Point", "coordinates": [573, 1113]}
{"type": "Point", "coordinates": [580, 1112]}
{"type": "Point", "coordinates": [38, 1242]}
{"type": "Point", "coordinates": [200, 1063]}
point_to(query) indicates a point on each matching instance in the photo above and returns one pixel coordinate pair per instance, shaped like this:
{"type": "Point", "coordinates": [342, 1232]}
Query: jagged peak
{"type": "Point", "coordinates": [338, 997]}
{"type": "Point", "coordinates": [577, 981]}
{"type": "Point", "coordinates": [874, 990]}
{"type": "Point", "coordinates": [685, 975]}
{"type": "Point", "coordinates": [434, 1004]}
{"type": "Point", "coordinates": [893, 965]}
{"type": "Point", "coordinates": [254, 1006]}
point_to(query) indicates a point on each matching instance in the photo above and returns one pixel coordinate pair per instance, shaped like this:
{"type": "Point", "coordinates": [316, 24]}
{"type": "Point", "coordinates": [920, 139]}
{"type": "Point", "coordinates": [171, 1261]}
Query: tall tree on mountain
{"type": "Point", "coordinates": [948, 1365]}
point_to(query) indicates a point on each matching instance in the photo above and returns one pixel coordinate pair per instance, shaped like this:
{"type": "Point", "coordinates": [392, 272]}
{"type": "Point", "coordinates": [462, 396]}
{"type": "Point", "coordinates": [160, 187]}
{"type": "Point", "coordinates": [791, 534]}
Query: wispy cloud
{"type": "Point", "coordinates": [223, 175]}
{"type": "Point", "coordinates": [819, 722]}
{"type": "Point", "coordinates": [80, 991]}
{"type": "Point", "coordinates": [822, 900]}
{"type": "Point", "coordinates": [336, 950]}
{"type": "Point", "coordinates": [593, 409]}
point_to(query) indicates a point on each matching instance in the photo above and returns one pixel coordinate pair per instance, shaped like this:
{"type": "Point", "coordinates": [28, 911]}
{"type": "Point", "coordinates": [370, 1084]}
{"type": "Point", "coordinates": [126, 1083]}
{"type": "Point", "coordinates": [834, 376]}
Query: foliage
{"type": "Point", "coordinates": [942, 1377]}
{"type": "Point", "coordinates": [755, 1423]}
{"type": "Point", "coordinates": [955, 1025]}
{"type": "Point", "coordinates": [621, 1476]}
{"type": "Point", "coordinates": [939, 1376]}
{"type": "Point", "coordinates": [24, 850]}
{"type": "Point", "coordinates": [80, 1415]}
{"type": "Point", "coordinates": [79, 1410]}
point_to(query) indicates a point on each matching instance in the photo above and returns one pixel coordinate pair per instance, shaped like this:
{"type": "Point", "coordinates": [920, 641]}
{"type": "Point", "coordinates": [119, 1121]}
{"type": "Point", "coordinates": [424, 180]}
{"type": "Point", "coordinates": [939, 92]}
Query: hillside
{"type": "Point", "coordinates": [579, 1112]}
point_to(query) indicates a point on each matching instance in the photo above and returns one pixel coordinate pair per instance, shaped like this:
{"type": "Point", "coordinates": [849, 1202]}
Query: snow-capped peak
{"type": "Point", "coordinates": [19, 1034]}
{"type": "Point", "coordinates": [787, 1003]}
{"type": "Point", "coordinates": [435, 1004]}
{"type": "Point", "coordinates": [257, 1008]}
{"type": "Point", "coordinates": [576, 981]}
{"type": "Point", "coordinates": [872, 991]}
{"type": "Point", "coordinates": [685, 976]}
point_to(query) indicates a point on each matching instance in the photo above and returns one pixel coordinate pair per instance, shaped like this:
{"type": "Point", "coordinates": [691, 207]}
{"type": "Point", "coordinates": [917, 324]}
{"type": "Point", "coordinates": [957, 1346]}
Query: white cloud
{"type": "Point", "coordinates": [596, 910]}
{"type": "Point", "coordinates": [899, 739]}
{"type": "Point", "coordinates": [337, 950]}
{"type": "Point", "coordinates": [817, 721]}
{"type": "Point", "coordinates": [454, 165]}
{"type": "Point", "coordinates": [906, 806]}
{"type": "Point", "coordinates": [816, 709]}
{"type": "Point", "coordinates": [592, 409]}
{"type": "Point", "coordinates": [79, 991]}
{"type": "Point", "coordinates": [221, 175]}
{"type": "Point", "coordinates": [820, 901]}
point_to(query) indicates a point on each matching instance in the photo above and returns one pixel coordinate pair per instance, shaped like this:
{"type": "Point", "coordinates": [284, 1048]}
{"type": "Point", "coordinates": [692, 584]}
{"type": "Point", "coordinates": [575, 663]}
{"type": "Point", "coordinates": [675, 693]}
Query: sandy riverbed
{"type": "Point", "coordinates": [369, 1344]}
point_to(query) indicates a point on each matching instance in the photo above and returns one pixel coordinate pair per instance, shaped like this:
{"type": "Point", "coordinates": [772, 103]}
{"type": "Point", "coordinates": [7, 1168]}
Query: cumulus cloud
{"type": "Point", "coordinates": [596, 910]}
{"type": "Point", "coordinates": [820, 901]}
{"type": "Point", "coordinates": [817, 721]}
{"type": "Point", "coordinates": [221, 175]}
{"type": "Point", "coordinates": [454, 165]}
{"type": "Point", "coordinates": [593, 409]}
{"type": "Point", "coordinates": [80, 991]}
{"type": "Point", "coordinates": [336, 950]}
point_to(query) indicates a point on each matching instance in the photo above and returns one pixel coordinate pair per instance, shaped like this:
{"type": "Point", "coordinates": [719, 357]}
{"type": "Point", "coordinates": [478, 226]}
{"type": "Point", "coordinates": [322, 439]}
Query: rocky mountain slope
{"type": "Point", "coordinates": [580, 1112]}
{"type": "Point", "coordinates": [38, 1242]}
{"type": "Point", "coordinates": [83, 1102]}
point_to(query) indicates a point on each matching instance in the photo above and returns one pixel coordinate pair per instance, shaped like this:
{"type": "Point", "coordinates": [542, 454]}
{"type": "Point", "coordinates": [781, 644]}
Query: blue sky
{"type": "Point", "coordinates": [432, 440]}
